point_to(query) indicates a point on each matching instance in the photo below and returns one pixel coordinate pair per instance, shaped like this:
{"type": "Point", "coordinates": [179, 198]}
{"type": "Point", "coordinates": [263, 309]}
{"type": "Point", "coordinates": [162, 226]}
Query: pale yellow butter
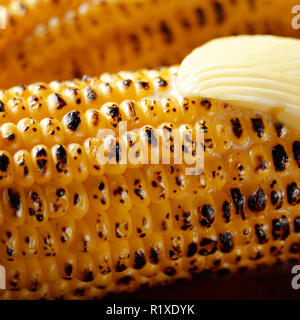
{"type": "Point", "coordinates": [257, 72]}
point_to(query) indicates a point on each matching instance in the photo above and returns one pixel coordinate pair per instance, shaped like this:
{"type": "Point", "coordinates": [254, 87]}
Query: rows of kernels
{"type": "Point", "coordinates": [133, 228]}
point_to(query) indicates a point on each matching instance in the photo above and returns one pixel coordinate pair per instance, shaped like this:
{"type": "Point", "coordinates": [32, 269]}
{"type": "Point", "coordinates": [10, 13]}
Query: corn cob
{"type": "Point", "coordinates": [23, 16]}
{"type": "Point", "coordinates": [125, 35]}
{"type": "Point", "coordinates": [73, 228]}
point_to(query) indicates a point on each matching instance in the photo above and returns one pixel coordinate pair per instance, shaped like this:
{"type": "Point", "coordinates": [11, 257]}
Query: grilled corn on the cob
{"type": "Point", "coordinates": [71, 227]}
{"type": "Point", "coordinates": [125, 35]}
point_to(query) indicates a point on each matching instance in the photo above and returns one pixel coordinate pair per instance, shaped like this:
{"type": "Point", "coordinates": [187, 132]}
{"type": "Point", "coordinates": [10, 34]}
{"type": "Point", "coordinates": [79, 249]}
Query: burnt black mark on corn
{"type": "Point", "coordinates": [150, 134]}
{"type": "Point", "coordinates": [61, 155]}
{"type": "Point", "coordinates": [166, 31]}
{"type": "Point", "coordinates": [200, 16]}
{"type": "Point", "coordinates": [297, 224]}
{"type": "Point", "coordinates": [236, 127]}
{"type": "Point", "coordinates": [162, 82]}
{"type": "Point", "coordinates": [154, 254]}
{"type": "Point", "coordinates": [60, 102]}
{"type": "Point", "coordinates": [90, 94]}
{"type": "Point", "coordinates": [280, 158]}
{"type": "Point", "coordinates": [208, 214]}
{"type": "Point", "coordinates": [2, 108]}
{"type": "Point", "coordinates": [219, 10]}
{"type": "Point", "coordinates": [239, 202]}
{"type": "Point", "coordinates": [125, 280]}
{"type": "Point", "coordinates": [169, 271]}
{"type": "Point", "coordinates": [260, 233]}
{"type": "Point", "coordinates": [295, 248]}
{"type": "Point", "coordinates": [210, 246]}
{"type": "Point", "coordinates": [41, 153]}
{"type": "Point", "coordinates": [76, 199]}
{"type": "Point", "coordinates": [280, 228]}
{"type": "Point", "coordinates": [4, 163]}
{"type": "Point", "coordinates": [140, 260]}
{"type": "Point", "coordinates": [257, 201]}
{"type": "Point", "coordinates": [226, 211]}
{"type": "Point", "coordinates": [14, 199]}
{"type": "Point", "coordinates": [87, 276]}
{"type": "Point", "coordinates": [293, 194]}
{"type": "Point", "coordinates": [226, 242]}
{"type": "Point", "coordinates": [68, 269]}
{"type": "Point", "coordinates": [258, 126]}
{"type": "Point", "coordinates": [205, 103]}
{"type": "Point", "coordinates": [192, 249]}
{"type": "Point", "coordinates": [279, 128]}
{"type": "Point", "coordinates": [276, 199]}
{"type": "Point", "coordinates": [135, 40]}
{"type": "Point", "coordinates": [73, 120]}
{"type": "Point", "coordinates": [296, 152]}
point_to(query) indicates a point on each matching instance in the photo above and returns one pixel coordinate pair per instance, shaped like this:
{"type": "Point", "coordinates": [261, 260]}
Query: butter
{"type": "Point", "coordinates": [255, 72]}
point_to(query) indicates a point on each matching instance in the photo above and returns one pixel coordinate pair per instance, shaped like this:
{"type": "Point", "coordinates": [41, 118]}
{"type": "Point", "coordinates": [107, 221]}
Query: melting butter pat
{"type": "Point", "coordinates": [257, 72]}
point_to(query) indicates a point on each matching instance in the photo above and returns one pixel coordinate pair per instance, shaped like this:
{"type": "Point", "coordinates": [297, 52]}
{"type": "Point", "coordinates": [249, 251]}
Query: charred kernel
{"type": "Point", "coordinates": [167, 33]}
{"type": "Point", "coordinates": [125, 280]}
{"type": "Point", "coordinates": [236, 127]}
{"type": "Point", "coordinates": [154, 255]}
{"type": "Point", "coordinates": [73, 120]}
{"type": "Point", "coordinates": [219, 11]}
{"type": "Point", "coordinates": [2, 108]}
{"type": "Point", "coordinates": [150, 134]}
{"type": "Point", "coordinates": [192, 249]}
{"type": "Point", "coordinates": [295, 248]}
{"type": "Point", "coordinates": [226, 242]}
{"type": "Point", "coordinates": [280, 228]}
{"type": "Point", "coordinates": [143, 84]}
{"type": "Point", "coordinates": [239, 202]}
{"type": "Point", "coordinates": [87, 276]}
{"type": "Point", "coordinates": [76, 199]}
{"type": "Point", "coordinates": [60, 192]}
{"type": "Point", "coordinates": [209, 215]}
{"type": "Point", "coordinates": [296, 152]}
{"type": "Point", "coordinates": [60, 102]}
{"type": "Point", "coordinates": [297, 224]}
{"type": "Point", "coordinates": [68, 269]}
{"type": "Point", "coordinates": [258, 126]}
{"type": "Point", "coordinates": [226, 211]}
{"type": "Point", "coordinates": [14, 199]}
{"type": "Point", "coordinates": [280, 158]}
{"type": "Point", "coordinates": [61, 154]}
{"type": "Point", "coordinates": [200, 16]}
{"type": "Point", "coordinates": [293, 194]}
{"type": "Point", "coordinates": [208, 246]}
{"type": "Point", "coordinates": [90, 94]}
{"type": "Point", "coordinates": [4, 163]}
{"type": "Point", "coordinates": [169, 271]}
{"type": "Point", "coordinates": [140, 260]}
{"type": "Point", "coordinates": [260, 233]}
{"type": "Point", "coordinates": [274, 197]}
{"type": "Point", "coordinates": [127, 83]}
{"type": "Point", "coordinates": [257, 201]}
{"type": "Point", "coordinates": [279, 128]}
{"type": "Point", "coordinates": [162, 82]}
{"type": "Point", "coordinates": [205, 103]}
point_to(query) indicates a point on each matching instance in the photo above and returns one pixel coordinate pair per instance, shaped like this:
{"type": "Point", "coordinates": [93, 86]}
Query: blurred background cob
{"type": "Point", "coordinates": [48, 40]}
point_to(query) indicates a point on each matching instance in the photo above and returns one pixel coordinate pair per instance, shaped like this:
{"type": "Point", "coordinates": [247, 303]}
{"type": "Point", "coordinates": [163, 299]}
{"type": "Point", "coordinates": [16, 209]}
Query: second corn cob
{"type": "Point", "coordinates": [71, 227]}
{"type": "Point", "coordinates": [162, 33]}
